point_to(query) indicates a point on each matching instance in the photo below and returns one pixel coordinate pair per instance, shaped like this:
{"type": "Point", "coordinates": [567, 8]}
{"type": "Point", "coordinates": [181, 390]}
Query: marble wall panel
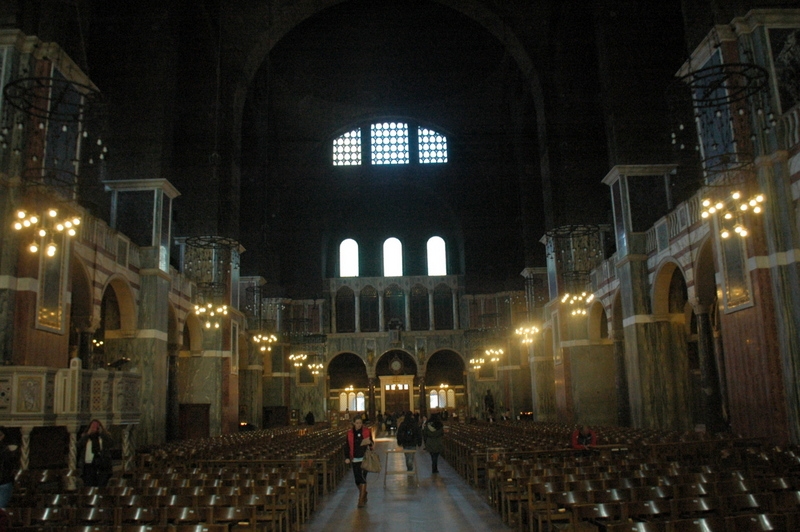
{"type": "Point", "coordinates": [200, 382]}
{"type": "Point", "coordinates": [593, 378]}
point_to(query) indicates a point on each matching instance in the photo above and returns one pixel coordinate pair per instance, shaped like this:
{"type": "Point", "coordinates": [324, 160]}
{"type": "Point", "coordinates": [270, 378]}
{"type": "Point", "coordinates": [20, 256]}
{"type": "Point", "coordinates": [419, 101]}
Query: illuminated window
{"type": "Point", "coordinates": [347, 149]}
{"type": "Point", "coordinates": [437, 256]}
{"type": "Point", "coordinates": [348, 258]}
{"type": "Point", "coordinates": [432, 146]}
{"type": "Point", "coordinates": [389, 143]}
{"type": "Point", "coordinates": [392, 258]}
{"type": "Point", "coordinates": [360, 402]}
{"type": "Point", "coordinates": [342, 402]}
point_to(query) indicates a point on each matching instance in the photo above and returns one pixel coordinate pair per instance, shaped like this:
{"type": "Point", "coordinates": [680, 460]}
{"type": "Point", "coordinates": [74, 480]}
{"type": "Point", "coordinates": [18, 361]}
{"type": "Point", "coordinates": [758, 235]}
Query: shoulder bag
{"type": "Point", "coordinates": [372, 462]}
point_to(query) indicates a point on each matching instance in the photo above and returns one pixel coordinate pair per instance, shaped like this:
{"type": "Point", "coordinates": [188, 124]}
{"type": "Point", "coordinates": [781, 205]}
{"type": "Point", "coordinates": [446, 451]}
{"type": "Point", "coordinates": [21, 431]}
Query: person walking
{"type": "Point", "coordinates": [409, 437]}
{"type": "Point", "coordinates": [359, 438]}
{"type": "Point", "coordinates": [433, 434]}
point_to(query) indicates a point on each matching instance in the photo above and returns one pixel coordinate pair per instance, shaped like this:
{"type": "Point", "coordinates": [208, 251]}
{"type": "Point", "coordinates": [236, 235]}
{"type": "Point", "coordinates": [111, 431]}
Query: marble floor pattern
{"type": "Point", "coordinates": [441, 503]}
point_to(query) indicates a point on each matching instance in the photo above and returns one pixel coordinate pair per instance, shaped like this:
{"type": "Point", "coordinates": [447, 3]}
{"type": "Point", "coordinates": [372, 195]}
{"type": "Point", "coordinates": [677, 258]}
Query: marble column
{"type": "Point", "coordinates": [72, 458]}
{"type": "Point", "coordinates": [148, 350]}
{"type": "Point", "coordinates": [431, 313]}
{"type": "Point", "coordinates": [358, 313]}
{"type": "Point", "coordinates": [128, 452]}
{"type": "Point", "coordinates": [455, 311]}
{"type": "Point", "coordinates": [372, 413]}
{"type": "Point", "coordinates": [381, 320]}
{"type": "Point", "coordinates": [25, 448]}
{"type": "Point", "coordinates": [423, 403]}
{"type": "Point", "coordinates": [623, 404]}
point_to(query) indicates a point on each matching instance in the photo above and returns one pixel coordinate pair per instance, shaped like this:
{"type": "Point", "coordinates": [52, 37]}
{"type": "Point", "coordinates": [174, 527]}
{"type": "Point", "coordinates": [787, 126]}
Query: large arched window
{"type": "Point", "coordinates": [437, 256]}
{"type": "Point", "coordinates": [390, 144]}
{"type": "Point", "coordinates": [348, 258]}
{"type": "Point", "coordinates": [345, 310]}
{"type": "Point", "coordinates": [392, 258]}
{"type": "Point", "coordinates": [347, 149]}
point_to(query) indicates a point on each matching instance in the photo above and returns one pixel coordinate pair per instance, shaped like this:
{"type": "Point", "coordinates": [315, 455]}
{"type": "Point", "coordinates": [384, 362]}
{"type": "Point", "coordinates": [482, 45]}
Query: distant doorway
{"type": "Point", "coordinates": [194, 420]}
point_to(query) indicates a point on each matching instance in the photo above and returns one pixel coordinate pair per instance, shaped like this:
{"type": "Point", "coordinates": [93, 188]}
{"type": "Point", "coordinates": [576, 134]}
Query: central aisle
{"type": "Point", "coordinates": [442, 502]}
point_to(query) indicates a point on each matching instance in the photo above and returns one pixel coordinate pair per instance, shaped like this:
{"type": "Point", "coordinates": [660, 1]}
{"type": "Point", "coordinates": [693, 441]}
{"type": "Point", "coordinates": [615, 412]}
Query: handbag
{"type": "Point", "coordinates": [372, 462]}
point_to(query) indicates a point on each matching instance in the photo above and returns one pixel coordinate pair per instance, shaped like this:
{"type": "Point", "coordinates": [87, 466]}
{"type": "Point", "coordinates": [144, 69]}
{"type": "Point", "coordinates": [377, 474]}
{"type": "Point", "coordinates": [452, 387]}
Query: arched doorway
{"type": "Point", "coordinates": [446, 384]}
{"type": "Point", "coordinates": [80, 319]}
{"type": "Point", "coordinates": [348, 386]}
{"type": "Point", "coordinates": [396, 371]}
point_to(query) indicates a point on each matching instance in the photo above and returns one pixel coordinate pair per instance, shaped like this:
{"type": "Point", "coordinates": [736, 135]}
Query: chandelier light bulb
{"type": "Point", "coordinates": [21, 214]}
{"type": "Point", "coordinates": [760, 198]}
{"type": "Point", "coordinates": [757, 209]}
{"type": "Point", "coordinates": [33, 248]}
{"type": "Point", "coordinates": [42, 232]}
{"type": "Point", "coordinates": [719, 205]}
{"type": "Point", "coordinates": [26, 223]}
{"type": "Point", "coordinates": [71, 232]}
{"type": "Point", "coordinates": [52, 213]}
{"type": "Point", "coordinates": [736, 195]}
{"type": "Point", "coordinates": [743, 232]}
{"type": "Point", "coordinates": [18, 226]}
{"type": "Point", "coordinates": [725, 233]}
{"type": "Point", "coordinates": [76, 221]}
{"type": "Point", "coordinates": [704, 214]}
{"type": "Point", "coordinates": [51, 250]}
{"type": "Point", "coordinates": [34, 219]}
{"type": "Point", "coordinates": [728, 216]}
{"type": "Point", "coordinates": [743, 206]}
{"type": "Point", "coordinates": [712, 210]}
{"type": "Point", "coordinates": [706, 203]}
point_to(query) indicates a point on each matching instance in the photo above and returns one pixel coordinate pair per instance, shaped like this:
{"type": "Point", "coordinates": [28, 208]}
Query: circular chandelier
{"type": "Point", "coordinates": [211, 314]}
{"type": "Point", "coordinates": [573, 300]}
{"type": "Point", "coordinates": [527, 333]}
{"type": "Point", "coordinates": [476, 363]}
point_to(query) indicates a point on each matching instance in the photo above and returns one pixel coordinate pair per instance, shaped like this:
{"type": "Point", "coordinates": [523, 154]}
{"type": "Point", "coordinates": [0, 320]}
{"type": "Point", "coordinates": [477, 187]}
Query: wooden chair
{"type": "Point", "coordinates": [95, 515]}
{"type": "Point", "coordinates": [137, 515]}
{"type": "Point", "coordinates": [181, 515]}
{"type": "Point", "coordinates": [267, 510]}
{"type": "Point", "coordinates": [233, 516]}
{"type": "Point", "coordinates": [699, 524]}
{"type": "Point", "coordinates": [695, 507]}
{"type": "Point", "coordinates": [757, 522]}
{"type": "Point", "coordinates": [643, 526]}
{"type": "Point", "coordinates": [558, 508]}
{"type": "Point", "coordinates": [655, 510]}
{"type": "Point", "coordinates": [594, 516]}
{"type": "Point", "coordinates": [748, 503]}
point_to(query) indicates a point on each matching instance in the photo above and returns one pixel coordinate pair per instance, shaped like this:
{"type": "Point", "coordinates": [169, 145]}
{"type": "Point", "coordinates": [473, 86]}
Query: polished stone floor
{"type": "Point", "coordinates": [440, 503]}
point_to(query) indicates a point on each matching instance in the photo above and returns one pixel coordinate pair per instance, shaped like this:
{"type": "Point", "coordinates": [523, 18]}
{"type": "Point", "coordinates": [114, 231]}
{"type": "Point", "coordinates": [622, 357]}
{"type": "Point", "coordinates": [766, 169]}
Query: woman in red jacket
{"type": "Point", "coordinates": [358, 439]}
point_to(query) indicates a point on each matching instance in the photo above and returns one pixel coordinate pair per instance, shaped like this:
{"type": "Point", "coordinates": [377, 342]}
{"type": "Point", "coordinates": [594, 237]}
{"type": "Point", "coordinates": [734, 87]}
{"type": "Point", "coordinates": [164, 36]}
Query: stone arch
{"type": "Point", "coordinates": [705, 284]}
{"type": "Point", "coordinates": [409, 360]}
{"type": "Point", "coordinates": [448, 356]}
{"type": "Point", "coordinates": [82, 315]}
{"type": "Point", "coordinates": [662, 282]}
{"type": "Point", "coordinates": [125, 302]}
{"type": "Point", "coordinates": [597, 321]}
{"type": "Point", "coordinates": [192, 341]}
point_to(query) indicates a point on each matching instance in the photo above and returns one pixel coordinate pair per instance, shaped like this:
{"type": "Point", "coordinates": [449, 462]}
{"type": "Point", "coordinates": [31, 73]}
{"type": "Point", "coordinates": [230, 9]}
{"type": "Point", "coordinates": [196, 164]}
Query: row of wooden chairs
{"type": "Point", "coordinates": [247, 513]}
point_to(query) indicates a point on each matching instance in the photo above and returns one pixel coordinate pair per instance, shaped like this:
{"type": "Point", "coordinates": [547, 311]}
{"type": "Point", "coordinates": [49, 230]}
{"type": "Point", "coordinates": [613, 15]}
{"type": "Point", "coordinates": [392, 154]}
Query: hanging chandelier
{"type": "Point", "coordinates": [45, 227]}
{"type": "Point", "coordinates": [494, 354]}
{"type": "Point", "coordinates": [731, 212]}
{"type": "Point", "coordinates": [527, 333]}
{"type": "Point", "coordinates": [265, 341]}
{"type": "Point", "coordinates": [212, 315]}
{"type": "Point", "coordinates": [476, 363]}
{"type": "Point", "coordinates": [574, 300]}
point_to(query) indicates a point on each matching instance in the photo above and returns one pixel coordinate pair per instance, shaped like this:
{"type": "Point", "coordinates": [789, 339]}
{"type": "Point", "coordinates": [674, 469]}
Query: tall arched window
{"type": "Point", "coordinates": [394, 307]}
{"type": "Point", "coordinates": [343, 402]}
{"type": "Point", "coordinates": [442, 308]}
{"type": "Point", "coordinates": [345, 310]}
{"type": "Point", "coordinates": [392, 258]}
{"type": "Point", "coordinates": [437, 256]}
{"type": "Point", "coordinates": [420, 315]}
{"type": "Point", "coordinates": [348, 258]}
{"type": "Point", "coordinates": [368, 301]}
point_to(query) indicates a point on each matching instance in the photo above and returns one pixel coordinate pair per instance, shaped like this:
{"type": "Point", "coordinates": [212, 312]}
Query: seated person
{"type": "Point", "coordinates": [584, 438]}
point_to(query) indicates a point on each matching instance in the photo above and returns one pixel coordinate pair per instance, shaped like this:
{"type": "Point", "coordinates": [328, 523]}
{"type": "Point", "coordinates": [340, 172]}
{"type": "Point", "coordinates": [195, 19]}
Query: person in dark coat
{"type": "Point", "coordinates": [94, 452]}
{"type": "Point", "coordinates": [409, 437]}
{"type": "Point", "coordinates": [9, 463]}
{"type": "Point", "coordinates": [433, 434]}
